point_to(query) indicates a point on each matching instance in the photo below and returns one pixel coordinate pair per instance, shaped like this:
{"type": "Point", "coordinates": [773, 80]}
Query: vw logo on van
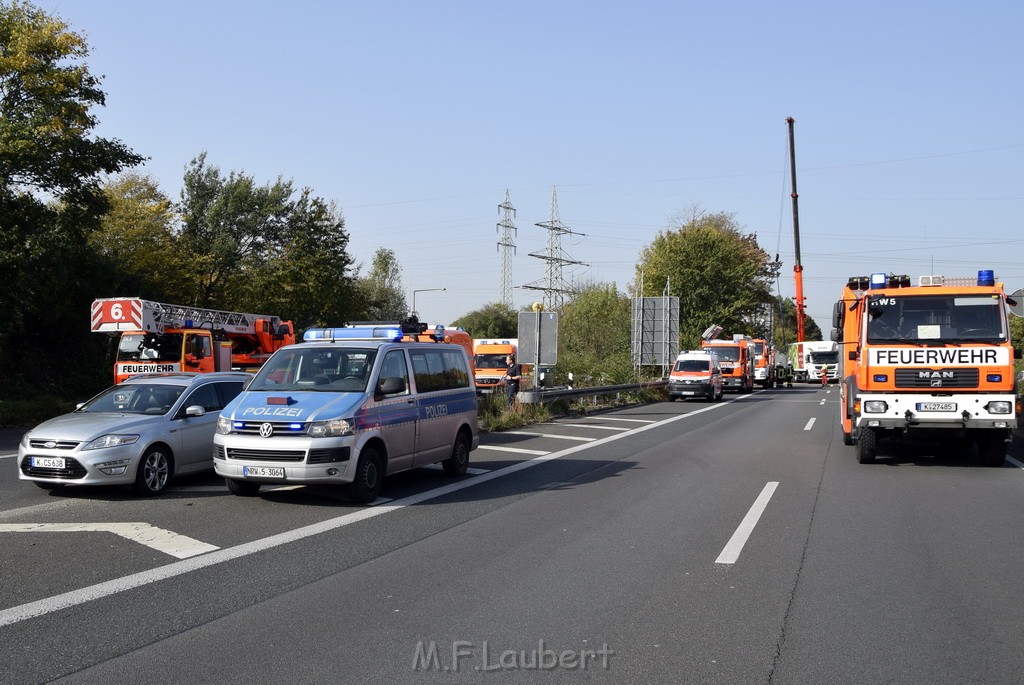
{"type": "Point", "coordinates": [266, 430]}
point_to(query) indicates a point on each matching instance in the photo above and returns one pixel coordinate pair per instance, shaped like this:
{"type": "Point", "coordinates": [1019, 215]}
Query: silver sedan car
{"type": "Point", "coordinates": [139, 433]}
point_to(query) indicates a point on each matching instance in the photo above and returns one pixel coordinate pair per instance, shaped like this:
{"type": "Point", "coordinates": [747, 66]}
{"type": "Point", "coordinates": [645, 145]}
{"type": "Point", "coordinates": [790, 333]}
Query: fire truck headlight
{"type": "Point", "coordinates": [875, 407]}
{"type": "Point", "coordinates": [998, 407]}
{"type": "Point", "coordinates": [111, 441]}
{"type": "Point", "coordinates": [329, 429]}
{"type": "Point", "coordinates": [223, 425]}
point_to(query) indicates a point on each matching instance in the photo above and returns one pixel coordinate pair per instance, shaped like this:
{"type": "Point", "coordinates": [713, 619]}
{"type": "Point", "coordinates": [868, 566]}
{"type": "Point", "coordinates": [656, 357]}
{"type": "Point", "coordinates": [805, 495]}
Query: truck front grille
{"type": "Point", "coordinates": [937, 378]}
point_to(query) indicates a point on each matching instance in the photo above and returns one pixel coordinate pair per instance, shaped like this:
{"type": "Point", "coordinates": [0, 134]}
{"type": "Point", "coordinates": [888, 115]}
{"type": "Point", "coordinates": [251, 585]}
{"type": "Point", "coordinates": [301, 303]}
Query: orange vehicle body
{"type": "Point", "coordinates": [153, 337]}
{"type": "Point", "coordinates": [932, 361]}
{"type": "Point", "coordinates": [736, 358]}
{"type": "Point", "coordinates": [764, 362]}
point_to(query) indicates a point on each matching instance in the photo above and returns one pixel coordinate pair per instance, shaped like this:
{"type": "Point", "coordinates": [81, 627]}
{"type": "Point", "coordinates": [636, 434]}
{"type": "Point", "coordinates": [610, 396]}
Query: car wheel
{"type": "Point", "coordinates": [48, 486]}
{"type": "Point", "coordinates": [867, 445]}
{"type": "Point", "coordinates": [154, 471]}
{"type": "Point", "coordinates": [242, 488]}
{"type": "Point", "coordinates": [457, 464]}
{"type": "Point", "coordinates": [369, 477]}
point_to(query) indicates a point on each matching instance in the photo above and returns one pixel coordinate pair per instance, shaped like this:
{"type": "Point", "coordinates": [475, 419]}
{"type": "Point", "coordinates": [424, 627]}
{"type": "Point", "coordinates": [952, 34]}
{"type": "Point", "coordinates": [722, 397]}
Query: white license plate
{"type": "Point", "coordinates": [936, 406]}
{"type": "Point", "coordinates": [48, 462]}
{"type": "Point", "coordinates": [262, 472]}
{"type": "Point", "coordinates": [687, 392]}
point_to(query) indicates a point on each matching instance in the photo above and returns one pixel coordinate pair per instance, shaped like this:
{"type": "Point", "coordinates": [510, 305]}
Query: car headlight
{"type": "Point", "coordinates": [999, 407]}
{"type": "Point", "coordinates": [875, 407]}
{"type": "Point", "coordinates": [329, 429]}
{"type": "Point", "coordinates": [111, 441]}
{"type": "Point", "coordinates": [223, 425]}
{"type": "Point", "coordinates": [24, 440]}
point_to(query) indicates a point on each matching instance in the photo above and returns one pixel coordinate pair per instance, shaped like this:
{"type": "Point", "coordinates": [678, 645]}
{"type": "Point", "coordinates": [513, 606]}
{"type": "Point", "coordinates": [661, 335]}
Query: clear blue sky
{"type": "Point", "coordinates": [415, 117]}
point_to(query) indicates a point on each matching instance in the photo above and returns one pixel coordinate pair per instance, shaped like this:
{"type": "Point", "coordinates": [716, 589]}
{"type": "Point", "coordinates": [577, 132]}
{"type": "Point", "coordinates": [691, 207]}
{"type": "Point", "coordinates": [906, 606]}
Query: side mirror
{"type": "Point", "coordinates": [392, 385]}
{"type": "Point", "coordinates": [838, 314]}
{"type": "Point", "coordinates": [195, 410]}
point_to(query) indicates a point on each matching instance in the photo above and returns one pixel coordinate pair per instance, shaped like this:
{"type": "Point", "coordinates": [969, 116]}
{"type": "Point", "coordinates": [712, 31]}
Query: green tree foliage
{"type": "Point", "coordinates": [494, 320]}
{"type": "Point", "coordinates": [51, 167]}
{"type": "Point", "coordinates": [720, 274]}
{"type": "Point", "coordinates": [256, 248]}
{"type": "Point", "coordinates": [594, 336]}
{"type": "Point", "coordinates": [138, 242]}
{"type": "Point", "coordinates": [785, 324]}
{"type": "Point", "coordinates": [381, 290]}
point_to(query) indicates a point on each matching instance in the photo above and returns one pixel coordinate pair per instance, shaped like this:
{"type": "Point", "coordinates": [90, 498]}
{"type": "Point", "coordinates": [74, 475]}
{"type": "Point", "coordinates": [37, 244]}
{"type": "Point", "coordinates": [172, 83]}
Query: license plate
{"type": "Point", "coordinates": [936, 406]}
{"type": "Point", "coordinates": [262, 472]}
{"type": "Point", "coordinates": [48, 462]}
{"type": "Point", "coordinates": [687, 392]}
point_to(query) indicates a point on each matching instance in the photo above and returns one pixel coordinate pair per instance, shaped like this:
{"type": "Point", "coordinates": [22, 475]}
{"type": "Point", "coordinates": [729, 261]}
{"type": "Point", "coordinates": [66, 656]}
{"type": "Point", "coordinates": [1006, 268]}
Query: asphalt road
{"type": "Point", "coordinates": [733, 542]}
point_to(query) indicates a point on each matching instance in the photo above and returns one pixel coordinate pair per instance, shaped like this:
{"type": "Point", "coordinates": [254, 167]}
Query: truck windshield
{"type": "Point", "coordinates": [936, 318]}
{"type": "Point", "coordinates": [317, 369]}
{"type": "Point", "coordinates": [824, 357]}
{"type": "Point", "coordinates": [489, 361]}
{"type": "Point", "coordinates": [150, 347]}
{"type": "Point", "coordinates": [727, 354]}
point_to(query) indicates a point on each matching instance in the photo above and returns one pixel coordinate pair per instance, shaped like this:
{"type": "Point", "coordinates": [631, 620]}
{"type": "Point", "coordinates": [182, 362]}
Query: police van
{"type": "Point", "coordinates": [348, 406]}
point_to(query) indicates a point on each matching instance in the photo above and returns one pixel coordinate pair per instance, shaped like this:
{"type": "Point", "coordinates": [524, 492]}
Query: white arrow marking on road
{"type": "Point", "coordinates": [159, 539]}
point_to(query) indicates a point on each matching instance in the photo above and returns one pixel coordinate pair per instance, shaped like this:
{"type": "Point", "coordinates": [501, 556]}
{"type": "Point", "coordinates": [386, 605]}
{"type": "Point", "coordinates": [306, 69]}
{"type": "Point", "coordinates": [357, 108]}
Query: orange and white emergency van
{"type": "Point", "coordinates": [927, 361]}
{"type": "Point", "coordinates": [737, 361]}
{"type": "Point", "coordinates": [153, 337]}
{"type": "Point", "coordinates": [696, 373]}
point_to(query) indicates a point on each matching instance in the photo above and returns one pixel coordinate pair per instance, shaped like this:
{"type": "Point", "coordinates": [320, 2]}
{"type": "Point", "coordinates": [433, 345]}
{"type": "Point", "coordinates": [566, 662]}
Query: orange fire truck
{"type": "Point", "coordinates": [928, 361]}
{"type": "Point", "coordinates": [151, 337]}
{"type": "Point", "coordinates": [764, 362]}
{"type": "Point", "coordinates": [737, 360]}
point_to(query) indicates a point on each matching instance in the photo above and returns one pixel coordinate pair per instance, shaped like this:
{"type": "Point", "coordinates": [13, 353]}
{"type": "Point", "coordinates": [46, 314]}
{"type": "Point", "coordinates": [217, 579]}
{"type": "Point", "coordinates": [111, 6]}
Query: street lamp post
{"type": "Point", "coordinates": [421, 290]}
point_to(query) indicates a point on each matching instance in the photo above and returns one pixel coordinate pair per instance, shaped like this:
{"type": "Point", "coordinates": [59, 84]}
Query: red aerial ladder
{"type": "Point", "coordinates": [798, 269]}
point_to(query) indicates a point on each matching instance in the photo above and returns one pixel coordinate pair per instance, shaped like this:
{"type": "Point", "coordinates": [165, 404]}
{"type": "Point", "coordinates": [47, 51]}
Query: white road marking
{"type": "Point", "coordinates": [732, 549]}
{"type": "Point", "coordinates": [159, 539]}
{"type": "Point", "coordinates": [823, 401]}
{"type": "Point", "coordinates": [517, 450]}
{"type": "Point", "coordinates": [613, 418]}
{"type": "Point", "coordinates": [1016, 463]}
{"type": "Point", "coordinates": [549, 435]}
{"type": "Point", "coordinates": [72, 598]}
{"type": "Point", "coordinates": [809, 424]}
{"type": "Point", "coordinates": [587, 425]}
{"type": "Point", "coordinates": [8, 456]}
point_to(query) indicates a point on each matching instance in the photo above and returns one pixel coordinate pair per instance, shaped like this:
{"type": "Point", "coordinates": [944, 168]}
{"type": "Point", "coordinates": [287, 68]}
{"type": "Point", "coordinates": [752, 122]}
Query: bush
{"type": "Point", "coordinates": [31, 412]}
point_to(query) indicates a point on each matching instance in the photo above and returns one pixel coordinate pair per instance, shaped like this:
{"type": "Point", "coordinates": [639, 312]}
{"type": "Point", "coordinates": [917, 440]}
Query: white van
{"type": "Point", "coordinates": [348, 406]}
{"type": "Point", "coordinates": [696, 374]}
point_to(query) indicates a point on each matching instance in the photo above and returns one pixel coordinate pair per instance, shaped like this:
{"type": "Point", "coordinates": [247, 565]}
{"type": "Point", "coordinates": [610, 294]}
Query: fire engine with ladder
{"type": "Point", "coordinates": [154, 337]}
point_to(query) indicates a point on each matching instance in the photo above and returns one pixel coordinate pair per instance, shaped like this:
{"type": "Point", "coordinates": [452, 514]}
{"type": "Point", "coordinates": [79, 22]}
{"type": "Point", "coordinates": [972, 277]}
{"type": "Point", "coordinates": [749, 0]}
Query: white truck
{"type": "Point", "coordinates": [821, 357]}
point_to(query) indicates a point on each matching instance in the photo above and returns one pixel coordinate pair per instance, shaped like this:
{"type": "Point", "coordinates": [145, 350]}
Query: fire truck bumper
{"type": "Point", "coordinates": [926, 411]}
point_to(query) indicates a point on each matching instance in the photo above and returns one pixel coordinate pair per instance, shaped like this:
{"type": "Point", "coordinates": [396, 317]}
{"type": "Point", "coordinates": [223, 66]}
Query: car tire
{"type": "Point", "coordinates": [154, 471]}
{"type": "Point", "coordinates": [867, 445]}
{"type": "Point", "coordinates": [457, 464]}
{"type": "Point", "coordinates": [242, 488]}
{"type": "Point", "coordinates": [369, 477]}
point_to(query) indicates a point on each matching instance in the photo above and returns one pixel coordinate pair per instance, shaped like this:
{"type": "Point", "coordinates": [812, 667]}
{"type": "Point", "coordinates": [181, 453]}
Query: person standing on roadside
{"type": "Point", "coordinates": [513, 374]}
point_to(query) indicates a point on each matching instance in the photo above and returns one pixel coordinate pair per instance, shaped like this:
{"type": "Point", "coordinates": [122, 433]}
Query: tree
{"type": "Point", "coordinates": [51, 166]}
{"type": "Point", "coordinates": [720, 274]}
{"type": "Point", "coordinates": [382, 292]}
{"type": "Point", "coordinates": [594, 335]}
{"type": "Point", "coordinates": [137, 240]}
{"type": "Point", "coordinates": [494, 320]}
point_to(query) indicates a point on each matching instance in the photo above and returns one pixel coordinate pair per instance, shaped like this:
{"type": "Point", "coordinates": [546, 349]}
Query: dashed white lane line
{"type": "Point", "coordinates": [588, 425]}
{"type": "Point", "coordinates": [165, 541]}
{"type": "Point", "coordinates": [810, 423]}
{"type": "Point", "coordinates": [732, 549]}
{"type": "Point", "coordinates": [613, 418]}
{"type": "Point", "coordinates": [550, 435]}
{"type": "Point", "coordinates": [516, 450]}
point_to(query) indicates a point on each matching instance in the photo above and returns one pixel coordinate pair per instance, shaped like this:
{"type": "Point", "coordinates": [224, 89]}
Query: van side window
{"type": "Point", "coordinates": [456, 371]}
{"type": "Point", "coordinates": [394, 366]}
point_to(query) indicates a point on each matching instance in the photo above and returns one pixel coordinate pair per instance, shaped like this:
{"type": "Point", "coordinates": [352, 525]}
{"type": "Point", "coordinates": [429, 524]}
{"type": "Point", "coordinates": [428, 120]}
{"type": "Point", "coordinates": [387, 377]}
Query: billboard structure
{"type": "Point", "coordinates": [655, 331]}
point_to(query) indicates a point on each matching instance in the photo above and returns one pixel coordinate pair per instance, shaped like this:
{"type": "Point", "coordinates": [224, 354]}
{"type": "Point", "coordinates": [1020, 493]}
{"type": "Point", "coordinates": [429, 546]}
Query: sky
{"type": "Point", "coordinates": [417, 117]}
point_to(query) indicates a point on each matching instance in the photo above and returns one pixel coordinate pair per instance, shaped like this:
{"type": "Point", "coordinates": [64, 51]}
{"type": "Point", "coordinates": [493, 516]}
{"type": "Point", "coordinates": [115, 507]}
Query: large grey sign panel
{"type": "Point", "coordinates": [655, 330]}
{"type": "Point", "coordinates": [528, 337]}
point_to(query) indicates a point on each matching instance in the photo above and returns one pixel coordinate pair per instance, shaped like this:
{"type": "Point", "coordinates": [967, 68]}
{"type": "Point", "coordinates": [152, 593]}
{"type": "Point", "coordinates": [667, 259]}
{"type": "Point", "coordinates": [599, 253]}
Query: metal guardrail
{"type": "Point", "coordinates": [550, 395]}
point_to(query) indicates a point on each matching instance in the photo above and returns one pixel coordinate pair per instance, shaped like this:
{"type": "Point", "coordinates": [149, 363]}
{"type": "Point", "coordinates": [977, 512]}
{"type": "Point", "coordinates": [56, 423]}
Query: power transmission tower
{"type": "Point", "coordinates": [507, 248]}
{"type": "Point", "coordinates": [554, 285]}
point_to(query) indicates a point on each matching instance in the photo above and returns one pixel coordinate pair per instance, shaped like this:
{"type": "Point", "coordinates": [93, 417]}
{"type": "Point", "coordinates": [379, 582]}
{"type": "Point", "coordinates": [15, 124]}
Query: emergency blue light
{"type": "Point", "coordinates": [880, 378]}
{"type": "Point", "coordinates": [189, 323]}
{"type": "Point", "coordinates": [878, 280]}
{"type": "Point", "coordinates": [354, 333]}
{"type": "Point", "coordinates": [986, 277]}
